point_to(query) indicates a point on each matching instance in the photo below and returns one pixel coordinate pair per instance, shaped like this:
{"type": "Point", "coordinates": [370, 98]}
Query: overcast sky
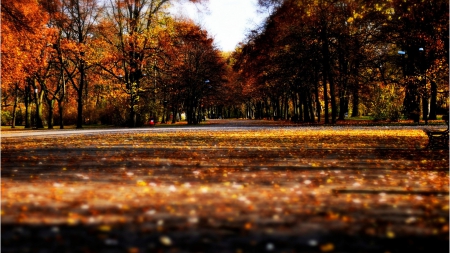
{"type": "Point", "coordinates": [227, 21]}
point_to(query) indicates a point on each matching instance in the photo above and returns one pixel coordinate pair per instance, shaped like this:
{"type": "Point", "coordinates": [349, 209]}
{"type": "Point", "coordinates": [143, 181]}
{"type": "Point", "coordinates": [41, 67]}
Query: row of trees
{"type": "Point", "coordinates": [123, 62]}
{"type": "Point", "coordinates": [384, 57]}
{"type": "Point", "coordinates": [119, 62]}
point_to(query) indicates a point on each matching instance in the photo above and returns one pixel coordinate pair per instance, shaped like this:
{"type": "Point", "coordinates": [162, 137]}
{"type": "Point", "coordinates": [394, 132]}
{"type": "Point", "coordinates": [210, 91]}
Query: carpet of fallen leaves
{"type": "Point", "coordinates": [274, 189]}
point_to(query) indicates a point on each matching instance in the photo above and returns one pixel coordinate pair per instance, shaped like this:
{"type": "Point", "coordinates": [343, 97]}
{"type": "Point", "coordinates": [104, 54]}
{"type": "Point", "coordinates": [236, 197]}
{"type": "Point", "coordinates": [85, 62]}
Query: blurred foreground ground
{"type": "Point", "coordinates": [222, 188]}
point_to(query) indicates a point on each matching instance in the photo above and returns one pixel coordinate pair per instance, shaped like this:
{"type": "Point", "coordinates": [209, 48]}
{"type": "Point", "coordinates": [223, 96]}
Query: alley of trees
{"type": "Point", "coordinates": [122, 62]}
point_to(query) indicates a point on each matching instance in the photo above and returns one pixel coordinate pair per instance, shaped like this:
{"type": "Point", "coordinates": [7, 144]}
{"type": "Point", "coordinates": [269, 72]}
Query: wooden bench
{"type": "Point", "coordinates": [438, 139]}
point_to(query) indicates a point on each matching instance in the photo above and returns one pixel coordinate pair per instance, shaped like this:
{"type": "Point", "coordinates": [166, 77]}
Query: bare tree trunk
{"type": "Point", "coordinates": [355, 107]}
{"type": "Point", "coordinates": [306, 113]}
{"type": "Point", "coordinates": [39, 95]}
{"type": "Point", "coordinates": [14, 112]}
{"type": "Point", "coordinates": [316, 94]}
{"type": "Point", "coordinates": [51, 105]}
{"type": "Point", "coordinates": [61, 112]}
{"type": "Point", "coordinates": [311, 110]}
{"type": "Point", "coordinates": [80, 90]}
{"type": "Point", "coordinates": [425, 109]}
{"type": "Point", "coordinates": [433, 101]}
{"type": "Point", "coordinates": [326, 69]}
{"type": "Point", "coordinates": [28, 105]}
{"type": "Point", "coordinates": [333, 99]}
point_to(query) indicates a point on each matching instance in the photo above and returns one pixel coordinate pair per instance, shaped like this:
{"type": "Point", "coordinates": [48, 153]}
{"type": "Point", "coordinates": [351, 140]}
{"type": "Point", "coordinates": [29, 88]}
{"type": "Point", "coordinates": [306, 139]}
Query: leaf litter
{"type": "Point", "coordinates": [269, 182]}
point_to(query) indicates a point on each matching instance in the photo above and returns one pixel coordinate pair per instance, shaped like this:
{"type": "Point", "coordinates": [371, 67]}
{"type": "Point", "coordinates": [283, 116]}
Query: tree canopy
{"type": "Point", "coordinates": [312, 57]}
{"type": "Point", "coordinates": [126, 62]}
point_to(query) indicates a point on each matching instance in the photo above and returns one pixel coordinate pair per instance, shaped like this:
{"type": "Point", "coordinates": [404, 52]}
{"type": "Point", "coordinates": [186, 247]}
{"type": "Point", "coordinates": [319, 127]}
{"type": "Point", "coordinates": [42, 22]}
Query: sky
{"type": "Point", "coordinates": [227, 21]}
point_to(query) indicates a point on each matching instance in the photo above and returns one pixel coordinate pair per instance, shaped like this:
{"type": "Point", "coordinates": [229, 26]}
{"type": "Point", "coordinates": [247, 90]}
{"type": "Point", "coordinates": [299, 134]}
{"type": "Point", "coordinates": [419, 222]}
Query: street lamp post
{"type": "Point", "coordinates": [403, 53]}
{"type": "Point", "coordinates": [412, 100]}
{"type": "Point", "coordinates": [425, 93]}
{"type": "Point", "coordinates": [38, 103]}
{"type": "Point", "coordinates": [37, 106]}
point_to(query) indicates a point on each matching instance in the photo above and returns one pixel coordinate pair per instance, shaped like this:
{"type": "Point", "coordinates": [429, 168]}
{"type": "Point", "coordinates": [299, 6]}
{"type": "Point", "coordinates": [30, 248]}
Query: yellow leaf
{"type": "Point", "coordinates": [141, 183]}
{"type": "Point", "coordinates": [71, 221]}
{"type": "Point", "coordinates": [104, 228]}
{"type": "Point", "coordinates": [390, 234]}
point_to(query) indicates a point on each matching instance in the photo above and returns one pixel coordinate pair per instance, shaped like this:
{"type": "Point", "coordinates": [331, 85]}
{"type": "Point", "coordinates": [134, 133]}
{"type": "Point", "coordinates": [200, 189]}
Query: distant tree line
{"type": "Point", "coordinates": [123, 63]}
{"type": "Point", "coordinates": [317, 59]}
{"type": "Point", "coordinates": [111, 62]}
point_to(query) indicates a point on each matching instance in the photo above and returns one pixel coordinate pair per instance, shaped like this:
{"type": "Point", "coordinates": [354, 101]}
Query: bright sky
{"type": "Point", "coordinates": [227, 21]}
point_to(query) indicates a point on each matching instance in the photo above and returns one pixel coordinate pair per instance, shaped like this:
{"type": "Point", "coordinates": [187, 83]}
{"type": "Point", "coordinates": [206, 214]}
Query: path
{"type": "Point", "coordinates": [214, 124]}
{"type": "Point", "coordinates": [225, 189]}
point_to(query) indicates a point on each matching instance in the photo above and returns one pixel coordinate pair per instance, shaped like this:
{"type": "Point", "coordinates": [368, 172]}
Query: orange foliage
{"type": "Point", "coordinates": [24, 35]}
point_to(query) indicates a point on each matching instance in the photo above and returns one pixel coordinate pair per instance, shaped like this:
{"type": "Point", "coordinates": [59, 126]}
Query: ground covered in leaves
{"type": "Point", "coordinates": [218, 189]}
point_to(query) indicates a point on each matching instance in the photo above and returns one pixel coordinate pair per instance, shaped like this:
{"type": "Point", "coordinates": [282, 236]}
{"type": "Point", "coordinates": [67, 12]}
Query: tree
{"type": "Point", "coordinates": [201, 69]}
{"type": "Point", "coordinates": [347, 47]}
{"type": "Point", "coordinates": [133, 37]}
{"type": "Point", "coordinates": [24, 20]}
{"type": "Point", "coordinates": [78, 22]}
{"type": "Point", "coordinates": [422, 33]}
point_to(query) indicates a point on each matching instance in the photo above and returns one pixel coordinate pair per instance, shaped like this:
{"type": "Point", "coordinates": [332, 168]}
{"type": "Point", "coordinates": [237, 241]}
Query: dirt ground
{"type": "Point", "coordinates": [244, 188]}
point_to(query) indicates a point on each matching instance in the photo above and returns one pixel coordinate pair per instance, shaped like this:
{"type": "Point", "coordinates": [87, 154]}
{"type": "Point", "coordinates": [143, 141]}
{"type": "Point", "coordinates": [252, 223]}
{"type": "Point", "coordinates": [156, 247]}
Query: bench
{"type": "Point", "coordinates": [438, 139]}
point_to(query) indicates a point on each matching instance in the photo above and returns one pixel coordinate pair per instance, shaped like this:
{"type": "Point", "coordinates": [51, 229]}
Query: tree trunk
{"type": "Point", "coordinates": [80, 109]}
{"type": "Point", "coordinates": [14, 112]}
{"type": "Point", "coordinates": [343, 81]}
{"type": "Point", "coordinates": [61, 112]}
{"type": "Point", "coordinates": [39, 107]}
{"type": "Point", "coordinates": [28, 106]}
{"type": "Point", "coordinates": [39, 95]}
{"type": "Point", "coordinates": [51, 106]}
{"type": "Point", "coordinates": [300, 107]}
{"type": "Point", "coordinates": [433, 101]}
{"type": "Point", "coordinates": [355, 106]}
{"type": "Point", "coordinates": [80, 90]}
{"type": "Point", "coordinates": [311, 108]}
{"type": "Point", "coordinates": [306, 113]}
{"type": "Point", "coordinates": [411, 102]}
{"type": "Point", "coordinates": [326, 69]}
{"type": "Point", "coordinates": [295, 105]}
{"type": "Point", "coordinates": [343, 105]}
{"type": "Point", "coordinates": [163, 121]}
{"type": "Point", "coordinates": [325, 99]}
{"type": "Point", "coordinates": [316, 94]}
{"type": "Point", "coordinates": [425, 108]}
{"type": "Point", "coordinates": [285, 107]}
{"type": "Point", "coordinates": [333, 99]}
{"type": "Point", "coordinates": [174, 113]}
{"type": "Point", "coordinates": [279, 104]}
{"type": "Point", "coordinates": [132, 119]}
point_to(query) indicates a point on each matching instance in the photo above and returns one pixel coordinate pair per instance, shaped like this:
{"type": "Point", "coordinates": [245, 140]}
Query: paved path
{"type": "Point", "coordinates": [224, 188]}
{"type": "Point", "coordinates": [217, 125]}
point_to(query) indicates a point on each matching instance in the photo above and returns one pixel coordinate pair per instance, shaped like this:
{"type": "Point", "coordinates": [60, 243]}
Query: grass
{"type": "Point", "coordinates": [360, 118]}
{"type": "Point", "coordinates": [357, 121]}
{"type": "Point", "coordinates": [22, 128]}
